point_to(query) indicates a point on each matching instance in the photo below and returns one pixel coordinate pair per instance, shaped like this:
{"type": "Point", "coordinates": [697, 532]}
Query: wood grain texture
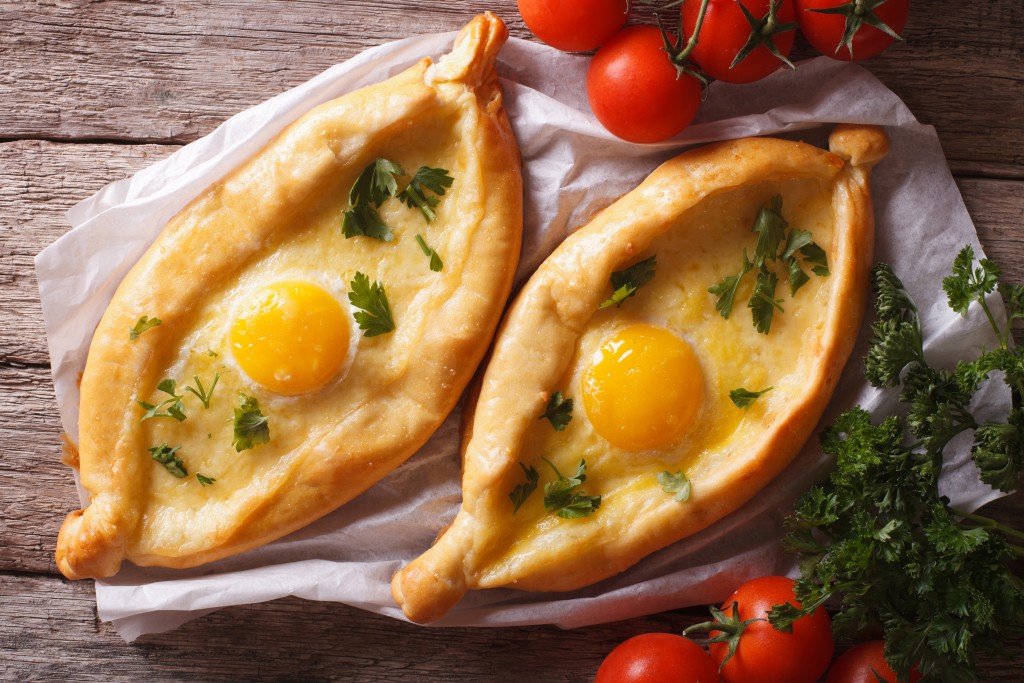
{"type": "Point", "coordinates": [55, 635]}
{"type": "Point", "coordinates": [80, 78]}
{"type": "Point", "coordinates": [156, 71]}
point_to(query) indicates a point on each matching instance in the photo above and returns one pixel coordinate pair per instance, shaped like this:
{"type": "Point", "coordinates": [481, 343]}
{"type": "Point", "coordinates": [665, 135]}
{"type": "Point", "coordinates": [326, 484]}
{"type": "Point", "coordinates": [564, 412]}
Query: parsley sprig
{"type": "Point", "coordinates": [144, 323]}
{"type": "Point", "coordinates": [374, 318]}
{"type": "Point", "coordinates": [561, 495]}
{"type": "Point", "coordinates": [167, 456]}
{"type": "Point", "coordinates": [676, 485]}
{"type": "Point", "coordinates": [744, 398]}
{"type": "Point", "coordinates": [558, 411]}
{"type": "Point", "coordinates": [378, 182]}
{"type": "Point", "coordinates": [795, 249]}
{"type": "Point", "coordinates": [436, 264]}
{"type": "Point", "coordinates": [175, 408]}
{"type": "Point", "coordinates": [878, 539]}
{"type": "Point", "coordinates": [251, 426]}
{"type": "Point", "coordinates": [626, 282]}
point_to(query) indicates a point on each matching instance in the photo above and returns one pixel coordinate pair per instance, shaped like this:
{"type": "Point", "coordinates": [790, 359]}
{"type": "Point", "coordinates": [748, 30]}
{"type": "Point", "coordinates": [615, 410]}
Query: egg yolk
{"type": "Point", "coordinates": [291, 337]}
{"type": "Point", "coordinates": [643, 388]}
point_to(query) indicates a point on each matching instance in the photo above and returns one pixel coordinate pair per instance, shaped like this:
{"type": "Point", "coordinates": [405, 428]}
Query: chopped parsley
{"type": "Point", "coordinates": [174, 406]}
{"type": "Point", "coordinates": [377, 183]}
{"type": "Point", "coordinates": [626, 282]}
{"type": "Point", "coordinates": [676, 485]}
{"type": "Point", "coordinates": [427, 179]}
{"type": "Point", "coordinates": [204, 480]}
{"type": "Point", "coordinates": [797, 249]}
{"type": "Point", "coordinates": [522, 491]}
{"type": "Point", "coordinates": [374, 318]}
{"type": "Point", "coordinates": [201, 392]}
{"type": "Point", "coordinates": [251, 426]}
{"type": "Point", "coordinates": [558, 411]}
{"type": "Point", "coordinates": [167, 456]}
{"type": "Point", "coordinates": [144, 323]}
{"type": "Point", "coordinates": [744, 398]}
{"type": "Point", "coordinates": [436, 264]}
{"type": "Point", "coordinates": [562, 497]}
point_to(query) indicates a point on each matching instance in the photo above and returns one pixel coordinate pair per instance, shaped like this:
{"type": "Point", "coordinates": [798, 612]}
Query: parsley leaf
{"type": "Point", "coordinates": [435, 180]}
{"type": "Point", "coordinates": [726, 288]}
{"type": "Point", "coordinates": [204, 480]}
{"type": "Point", "coordinates": [744, 398]}
{"type": "Point", "coordinates": [376, 183]}
{"type": "Point", "coordinates": [968, 284]}
{"type": "Point", "coordinates": [144, 323]}
{"type": "Point", "coordinates": [175, 408]}
{"type": "Point", "coordinates": [363, 220]}
{"type": "Point", "coordinates": [815, 255]}
{"type": "Point", "coordinates": [166, 456]}
{"type": "Point", "coordinates": [562, 498]}
{"type": "Point", "coordinates": [202, 393]}
{"type": "Point", "coordinates": [436, 264]}
{"type": "Point", "coordinates": [522, 491]}
{"type": "Point", "coordinates": [770, 227]}
{"type": "Point", "coordinates": [626, 282]}
{"type": "Point", "coordinates": [558, 411]}
{"type": "Point", "coordinates": [375, 317]}
{"type": "Point", "coordinates": [675, 484]}
{"type": "Point", "coordinates": [763, 303]}
{"type": "Point", "coordinates": [251, 426]}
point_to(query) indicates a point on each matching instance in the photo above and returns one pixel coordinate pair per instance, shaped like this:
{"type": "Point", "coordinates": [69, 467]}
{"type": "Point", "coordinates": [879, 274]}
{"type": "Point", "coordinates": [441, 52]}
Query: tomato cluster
{"type": "Point", "coordinates": [743, 647]}
{"type": "Point", "coordinates": [643, 83]}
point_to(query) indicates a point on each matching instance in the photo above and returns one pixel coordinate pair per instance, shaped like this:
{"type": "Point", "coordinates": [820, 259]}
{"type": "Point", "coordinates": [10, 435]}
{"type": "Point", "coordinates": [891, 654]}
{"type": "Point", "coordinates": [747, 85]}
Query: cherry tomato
{"type": "Point", "coordinates": [860, 663]}
{"type": "Point", "coordinates": [726, 30]}
{"type": "Point", "coordinates": [657, 658]}
{"type": "Point", "coordinates": [825, 31]}
{"type": "Point", "coordinates": [767, 655]}
{"type": "Point", "coordinates": [574, 25]}
{"type": "Point", "coordinates": [635, 91]}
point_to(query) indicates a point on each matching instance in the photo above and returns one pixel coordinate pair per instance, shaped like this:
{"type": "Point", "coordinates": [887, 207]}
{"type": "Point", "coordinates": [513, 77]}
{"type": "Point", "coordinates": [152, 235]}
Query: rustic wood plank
{"type": "Point", "coordinates": [50, 632]}
{"type": "Point", "coordinates": [170, 72]}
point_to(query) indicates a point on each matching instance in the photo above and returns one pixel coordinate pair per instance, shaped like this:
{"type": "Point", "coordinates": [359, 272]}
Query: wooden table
{"type": "Point", "coordinates": [93, 91]}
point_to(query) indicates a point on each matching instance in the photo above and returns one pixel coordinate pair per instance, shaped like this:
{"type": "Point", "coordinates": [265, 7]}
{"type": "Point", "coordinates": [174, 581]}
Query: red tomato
{"type": "Point", "coordinates": [825, 31]}
{"type": "Point", "coordinates": [766, 655]}
{"type": "Point", "coordinates": [860, 663]}
{"type": "Point", "coordinates": [635, 91]}
{"type": "Point", "coordinates": [574, 25]}
{"type": "Point", "coordinates": [657, 658]}
{"type": "Point", "coordinates": [724, 33]}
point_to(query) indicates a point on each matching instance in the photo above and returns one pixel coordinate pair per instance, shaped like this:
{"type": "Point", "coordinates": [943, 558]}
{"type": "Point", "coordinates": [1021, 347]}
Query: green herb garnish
{"type": "Point", "coordinates": [166, 456]}
{"type": "Point", "coordinates": [375, 184]}
{"type": "Point", "coordinates": [626, 282]}
{"type": "Point", "coordinates": [204, 480]}
{"type": "Point", "coordinates": [251, 426]}
{"type": "Point", "coordinates": [744, 398]}
{"type": "Point", "coordinates": [436, 264]}
{"type": "Point", "coordinates": [676, 485]}
{"type": "Point", "coordinates": [202, 393]}
{"type": "Point", "coordinates": [435, 180]}
{"type": "Point", "coordinates": [558, 411]}
{"type": "Point", "coordinates": [522, 491]}
{"type": "Point", "coordinates": [878, 539]}
{"type": "Point", "coordinates": [375, 317]}
{"type": "Point", "coordinates": [175, 408]}
{"type": "Point", "coordinates": [144, 323]}
{"type": "Point", "coordinates": [773, 244]}
{"type": "Point", "coordinates": [562, 498]}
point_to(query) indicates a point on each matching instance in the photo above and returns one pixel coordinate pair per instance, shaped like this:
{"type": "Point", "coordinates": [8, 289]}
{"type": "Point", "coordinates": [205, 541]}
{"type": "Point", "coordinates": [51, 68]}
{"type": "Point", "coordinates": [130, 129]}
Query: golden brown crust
{"type": "Point", "coordinates": [226, 227]}
{"type": "Point", "coordinates": [536, 344]}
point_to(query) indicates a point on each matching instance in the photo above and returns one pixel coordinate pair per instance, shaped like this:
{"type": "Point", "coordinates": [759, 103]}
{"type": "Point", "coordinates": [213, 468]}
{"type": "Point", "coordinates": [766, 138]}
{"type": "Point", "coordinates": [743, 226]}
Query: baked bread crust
{"type": "Point", "coordinates": [449, 332]}
{"type": "Point", "coordinates": [536, 344]}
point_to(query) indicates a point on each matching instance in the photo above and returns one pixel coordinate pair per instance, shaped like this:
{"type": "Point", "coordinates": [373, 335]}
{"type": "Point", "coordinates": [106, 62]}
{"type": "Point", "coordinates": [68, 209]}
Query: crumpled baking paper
{"type": "Point", "coordinates": [572, 169]}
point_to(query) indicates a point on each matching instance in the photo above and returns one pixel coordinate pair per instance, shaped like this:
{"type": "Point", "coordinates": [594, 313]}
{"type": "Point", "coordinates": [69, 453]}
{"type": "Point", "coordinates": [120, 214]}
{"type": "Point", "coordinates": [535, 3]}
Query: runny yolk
{"type": "Point", "coordinates": [291, 337]}
{"type": "Point", "coordinates": [643, 388]}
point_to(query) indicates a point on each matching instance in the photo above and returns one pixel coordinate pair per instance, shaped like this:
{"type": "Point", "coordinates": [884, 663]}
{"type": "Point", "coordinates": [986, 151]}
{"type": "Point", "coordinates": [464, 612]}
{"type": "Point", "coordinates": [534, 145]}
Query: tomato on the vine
{"type": "Point", "coordinates": [574, 25]}
{"type": "Point", "coordinates": [636, 92]}
{"type": "Point", "coordinates": [862, 662]}
{"type": "Point", "coordinates": [657, 658]}
{"type": "Point", "coordinates": [851, 29]}
{"type": "Point", "coordinates": [764, 654]}
{"type": "Point", "coordinates": [727, 29]}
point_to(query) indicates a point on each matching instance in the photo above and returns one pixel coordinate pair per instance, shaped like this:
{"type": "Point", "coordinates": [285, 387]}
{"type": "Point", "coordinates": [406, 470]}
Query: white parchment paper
{"type": "Point", "coordinates": [572, 168]}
